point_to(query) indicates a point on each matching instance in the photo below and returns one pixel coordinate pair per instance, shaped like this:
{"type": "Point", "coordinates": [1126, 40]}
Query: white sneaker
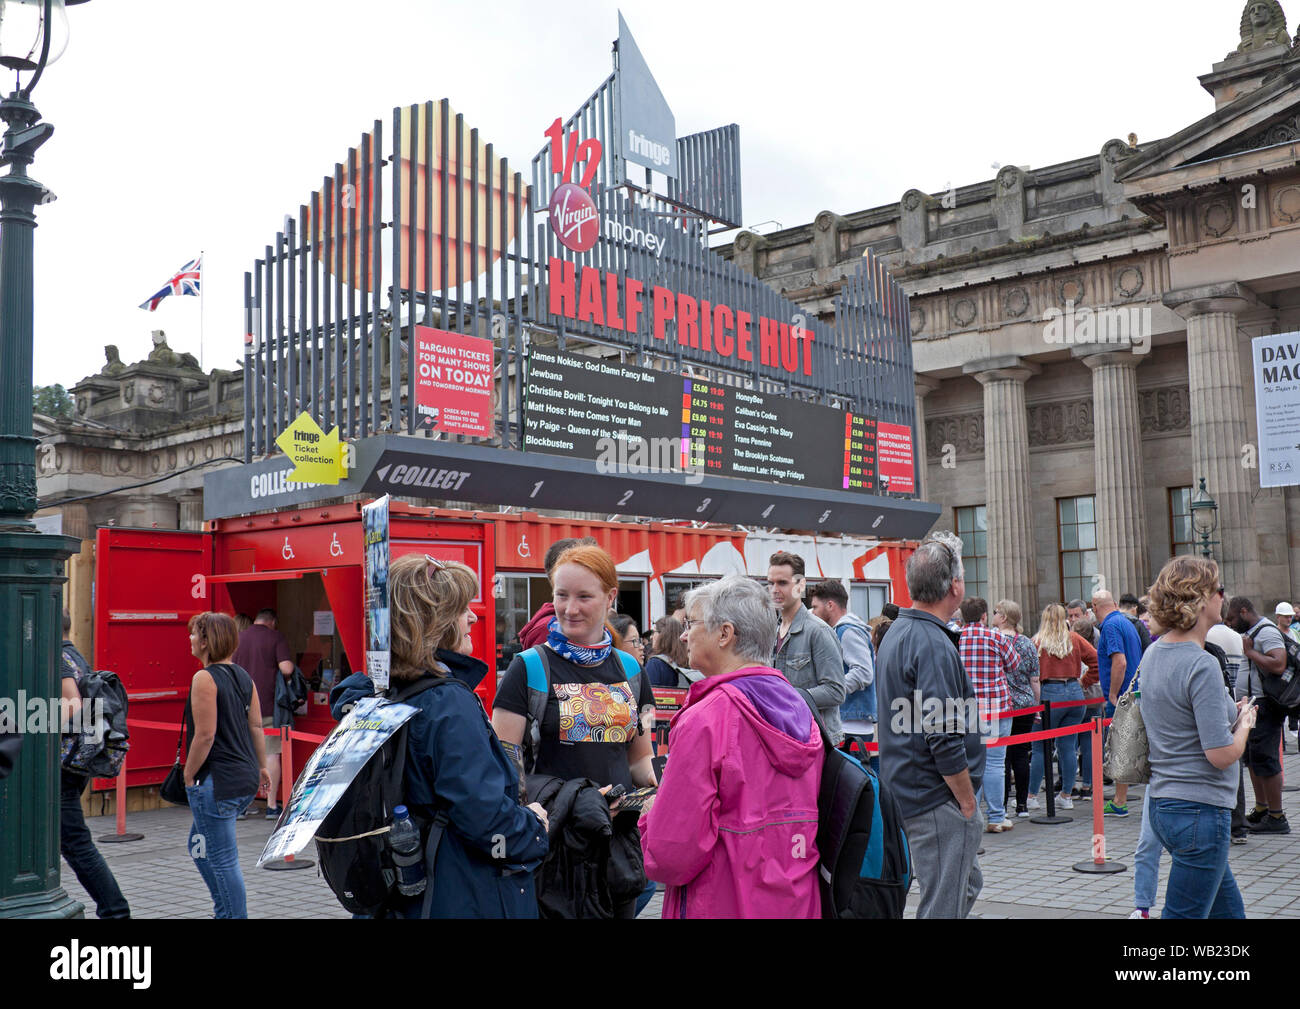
{"type": "Point", "coordinates": [1032, 802]}
{"type": "Point", "coordinates": [1138, 914]}
{"type": "Point", "coordinates": [1063, 801]}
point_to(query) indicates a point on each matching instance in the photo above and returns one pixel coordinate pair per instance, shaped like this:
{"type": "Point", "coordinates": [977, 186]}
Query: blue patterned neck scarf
{"type": "Point", "coordinates": [583, 655]}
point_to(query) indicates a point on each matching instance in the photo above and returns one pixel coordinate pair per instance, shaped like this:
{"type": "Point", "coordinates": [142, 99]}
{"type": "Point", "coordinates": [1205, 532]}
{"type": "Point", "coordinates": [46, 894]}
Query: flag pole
{"type": "Point", "coordinates": [201, 286]}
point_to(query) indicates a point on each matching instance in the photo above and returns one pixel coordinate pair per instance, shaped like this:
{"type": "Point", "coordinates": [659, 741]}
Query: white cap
{"type": "Point", "coordinates": [1284, 610]}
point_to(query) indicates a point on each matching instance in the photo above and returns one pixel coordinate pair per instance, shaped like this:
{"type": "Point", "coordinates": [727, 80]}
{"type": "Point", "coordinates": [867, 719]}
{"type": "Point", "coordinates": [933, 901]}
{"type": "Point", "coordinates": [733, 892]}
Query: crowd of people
{"type": "Point", "coordinates": [557, 804]}
{"type": "Point", "coordinates": [1196, 659]}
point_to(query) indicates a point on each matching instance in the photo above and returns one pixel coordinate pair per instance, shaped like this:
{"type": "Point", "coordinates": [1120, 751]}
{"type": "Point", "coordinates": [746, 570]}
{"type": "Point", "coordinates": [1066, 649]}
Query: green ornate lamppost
{"type": "Point", "coordinates": [33, 34]}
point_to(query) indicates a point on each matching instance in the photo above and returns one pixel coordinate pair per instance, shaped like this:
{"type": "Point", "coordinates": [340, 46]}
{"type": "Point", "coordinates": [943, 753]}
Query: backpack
{"type": "Point", "coordinates": [865, 863]}
{"type": "Point", "coordinates": [861, 704]}
{"type": "Point", "coordinates": [352, 841]}
{"type": "Point", "coordinates": [539, 693]}
{"type": "Point", "coordinates": [1284, 689]}
{"type": "Point", "coordinates": [685, 676]}
{"type": "Point", "coordinates": [99, 749]}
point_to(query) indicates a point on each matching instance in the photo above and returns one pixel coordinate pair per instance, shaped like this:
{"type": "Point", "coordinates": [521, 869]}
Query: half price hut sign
{"type": "Point", "coordinates": [590, 295]}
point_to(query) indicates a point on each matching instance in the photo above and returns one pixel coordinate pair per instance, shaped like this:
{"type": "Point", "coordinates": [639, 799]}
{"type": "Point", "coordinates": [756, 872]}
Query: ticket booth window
{"type": "Point", "coordinates": [632, 600]}
{"type": "Point", "coordinates": [675, 590]}
{"type": "Point", "coordinates": [518, 598]}
{"type": "Point", "coordinates": [867, 599]}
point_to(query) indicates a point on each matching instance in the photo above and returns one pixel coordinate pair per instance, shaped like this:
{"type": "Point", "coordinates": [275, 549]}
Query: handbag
{"type": "Point", "coordinates": [173, 786]}
{"type": "Point", "coordinates": [1127, 752]}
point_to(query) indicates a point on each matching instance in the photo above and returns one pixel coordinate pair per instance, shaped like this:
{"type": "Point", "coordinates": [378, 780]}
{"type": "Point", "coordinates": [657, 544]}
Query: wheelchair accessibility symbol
{"type": "Point", "coordinates": [287, 551]}
{"type": "Point", "coordinates": [523, 548]}
{"type": "Point", "coordinates": [336, 548]}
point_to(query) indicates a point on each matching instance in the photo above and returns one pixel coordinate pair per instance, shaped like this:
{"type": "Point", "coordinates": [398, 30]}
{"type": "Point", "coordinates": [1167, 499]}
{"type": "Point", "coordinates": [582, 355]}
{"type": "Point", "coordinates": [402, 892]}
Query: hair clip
{"type": "Point", "coordinates": [435, 563]}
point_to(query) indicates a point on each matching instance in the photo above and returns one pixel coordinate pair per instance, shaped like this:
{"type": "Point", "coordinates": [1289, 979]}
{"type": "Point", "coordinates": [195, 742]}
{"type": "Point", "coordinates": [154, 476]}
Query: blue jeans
{"type": "Point", "coordinates": [212, 846]}
{"type": "Point", "coordinates": [1146, 860]}
{"type": "Point", "coordinates": [993, 787]}
{"type": "Point", "coordinates": [1067, 747]}
{"type": "Point", "coordinates": [1197, 836]}
{"type": "Point", "coordinates": [78, 847]}
{"type": "Point", "coordinates": [646, 896]}
{"type": "Point", "coordinates": [1085, 749]}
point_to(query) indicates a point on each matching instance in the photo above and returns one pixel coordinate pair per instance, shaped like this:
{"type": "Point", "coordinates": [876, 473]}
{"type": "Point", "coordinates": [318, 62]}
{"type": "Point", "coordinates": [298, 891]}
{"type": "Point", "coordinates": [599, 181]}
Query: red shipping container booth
{"type": "Point", "coordinates": [304, 563]}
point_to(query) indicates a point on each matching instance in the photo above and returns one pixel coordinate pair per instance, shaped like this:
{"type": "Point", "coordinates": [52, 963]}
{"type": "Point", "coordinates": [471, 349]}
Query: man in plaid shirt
{"type": "Point", "coordinates": [988, 658]}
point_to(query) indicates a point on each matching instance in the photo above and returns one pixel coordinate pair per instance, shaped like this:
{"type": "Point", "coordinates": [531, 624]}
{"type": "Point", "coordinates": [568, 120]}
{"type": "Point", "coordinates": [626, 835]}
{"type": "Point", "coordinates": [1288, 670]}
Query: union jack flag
{"type": "Point", "coordinates": [185, 281]}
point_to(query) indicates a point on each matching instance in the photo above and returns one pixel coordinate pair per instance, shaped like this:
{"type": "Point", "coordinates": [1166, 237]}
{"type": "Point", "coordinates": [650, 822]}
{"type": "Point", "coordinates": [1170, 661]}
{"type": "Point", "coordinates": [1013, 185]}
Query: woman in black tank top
{"type": "Point", "coordinates": [225, 758]}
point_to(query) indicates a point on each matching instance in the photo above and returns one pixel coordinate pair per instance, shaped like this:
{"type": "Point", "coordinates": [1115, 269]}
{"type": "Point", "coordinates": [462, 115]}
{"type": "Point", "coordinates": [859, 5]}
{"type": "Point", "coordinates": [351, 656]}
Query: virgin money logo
{"type": "Point", "coordinates": [573, 217]}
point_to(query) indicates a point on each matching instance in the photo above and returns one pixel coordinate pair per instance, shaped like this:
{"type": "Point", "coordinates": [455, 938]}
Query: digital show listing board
{"type": "Point", "coordinates": [593, 408]}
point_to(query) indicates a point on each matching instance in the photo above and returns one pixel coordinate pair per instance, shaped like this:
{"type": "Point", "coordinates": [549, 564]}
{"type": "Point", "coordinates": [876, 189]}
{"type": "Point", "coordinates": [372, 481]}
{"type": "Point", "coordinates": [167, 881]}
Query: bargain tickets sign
{"type": "Point", "coordinates": [453, 382]}
{"type": "Point", "coordinates": [572, 211]}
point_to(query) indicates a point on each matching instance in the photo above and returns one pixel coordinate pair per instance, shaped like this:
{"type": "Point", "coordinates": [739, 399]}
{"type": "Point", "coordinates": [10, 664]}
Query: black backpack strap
{"type": "Point", "coordinates": [419, 686]}
{"type": "Point", "coordinates": [537, 669]}
{"type": "Point", "coordinates": [409, 690]}
{"type": "Point", "coordinates": [439, 825]}
{"type": "Point", "coordinates": [817, 717]}
{"type": "Point", "coordinates": [436, 830]}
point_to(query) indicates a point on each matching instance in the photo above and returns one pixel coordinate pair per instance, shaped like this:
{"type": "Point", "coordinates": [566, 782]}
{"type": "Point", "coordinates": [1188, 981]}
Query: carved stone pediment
{"type": "Point", "coordinates": [1281, 131]}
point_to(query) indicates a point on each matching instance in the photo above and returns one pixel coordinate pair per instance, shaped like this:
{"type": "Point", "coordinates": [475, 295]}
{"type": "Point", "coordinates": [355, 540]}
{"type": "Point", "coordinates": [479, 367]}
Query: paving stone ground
{"type": "Point", "coordinates": [1027, 872]}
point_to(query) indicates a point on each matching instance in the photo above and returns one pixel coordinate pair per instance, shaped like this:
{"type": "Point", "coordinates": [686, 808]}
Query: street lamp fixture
{"type": "Point", "coordinates": [33, 34]}
{"type": "Point", "coordinates": [1205, 517]}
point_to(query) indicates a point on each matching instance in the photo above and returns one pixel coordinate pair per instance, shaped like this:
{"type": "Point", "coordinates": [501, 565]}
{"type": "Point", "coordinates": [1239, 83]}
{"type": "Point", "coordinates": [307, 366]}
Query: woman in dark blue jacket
{"type": "Point", "coordinates": [454, 762]}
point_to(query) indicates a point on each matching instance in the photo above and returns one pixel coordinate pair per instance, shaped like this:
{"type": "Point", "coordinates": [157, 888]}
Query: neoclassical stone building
{"type": "Point", "coordinates": [134, 453]}
{"type": "Point", "coordinates": [1081, 335]}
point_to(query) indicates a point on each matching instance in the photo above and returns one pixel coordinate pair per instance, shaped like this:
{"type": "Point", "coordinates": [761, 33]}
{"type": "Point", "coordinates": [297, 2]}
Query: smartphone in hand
{"type": "Point", "coordinates": [1250, 702]}
{"type": "Point", "coordinates": [615, 793]}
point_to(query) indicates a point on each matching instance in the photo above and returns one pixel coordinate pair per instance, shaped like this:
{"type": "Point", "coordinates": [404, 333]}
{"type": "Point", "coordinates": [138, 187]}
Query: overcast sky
{"type": "Point", "coordinates": [187, 126]}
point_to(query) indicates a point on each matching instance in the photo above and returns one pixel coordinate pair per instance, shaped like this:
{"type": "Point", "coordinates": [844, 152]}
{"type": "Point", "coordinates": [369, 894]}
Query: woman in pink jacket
{"type": "Point", "coordinates": [733, 829]}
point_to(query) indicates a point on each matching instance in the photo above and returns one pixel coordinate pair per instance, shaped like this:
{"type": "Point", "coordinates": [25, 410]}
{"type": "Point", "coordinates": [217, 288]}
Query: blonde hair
{"type": "Point", "coordinates": [1011, 611]}
{"type": "Point", "coordinates": [1181, 588]}
{"type": "Point", "coordinates": [425, 604]}
{"type": "Point", "coordinates": [1054, 632]}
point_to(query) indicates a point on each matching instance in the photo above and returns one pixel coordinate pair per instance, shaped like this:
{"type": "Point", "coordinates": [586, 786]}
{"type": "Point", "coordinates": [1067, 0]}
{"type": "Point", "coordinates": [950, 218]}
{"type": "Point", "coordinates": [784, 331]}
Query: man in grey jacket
{"type": "Point", "coordinates": [807, 651]}
{"type": "Point", "coordinates": [931, 756]}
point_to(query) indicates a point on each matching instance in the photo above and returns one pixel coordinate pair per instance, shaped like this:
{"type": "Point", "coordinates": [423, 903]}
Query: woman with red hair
{"type": "Point", "coordinates": [599, 708]}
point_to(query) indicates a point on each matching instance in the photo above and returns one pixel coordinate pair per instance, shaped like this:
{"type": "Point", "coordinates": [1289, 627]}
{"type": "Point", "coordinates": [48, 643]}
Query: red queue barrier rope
{"type": "Point", "coordinates": [1027, 737]}
{"type": "Point", "coordinates": [1097, 863]}
{"type": "Point", "coordinates": [1055, 704]}
{"type": "Point", "coordinates": [286, 777]}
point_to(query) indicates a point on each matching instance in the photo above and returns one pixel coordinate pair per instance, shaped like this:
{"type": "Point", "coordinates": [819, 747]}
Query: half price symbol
{"type": "Point", "coordinates": [565, 154]}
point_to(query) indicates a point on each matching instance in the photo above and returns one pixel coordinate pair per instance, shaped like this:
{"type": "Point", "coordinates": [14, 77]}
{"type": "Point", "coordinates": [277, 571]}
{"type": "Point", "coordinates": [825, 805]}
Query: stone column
{"type": "Point", "coordinates": [924, 386]}
{"type": "Point", "coordinates": [191, 512]}
{"type": "Point", "coordinates": [1013, 572]}
{"type": "Point", "coordinates": [1220, 427]}
{"type": "Point", "coordinates": [1122, 553]}
{"type": "Point", "coordinates": [79, 594]}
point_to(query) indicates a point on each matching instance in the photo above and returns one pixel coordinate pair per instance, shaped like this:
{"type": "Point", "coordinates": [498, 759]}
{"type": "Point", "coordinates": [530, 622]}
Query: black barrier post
{"type": "Point", "coordinates": [1051, 818]}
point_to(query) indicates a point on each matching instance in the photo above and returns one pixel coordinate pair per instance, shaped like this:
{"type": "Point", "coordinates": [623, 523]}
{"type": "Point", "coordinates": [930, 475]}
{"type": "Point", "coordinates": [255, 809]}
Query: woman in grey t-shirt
{"type": "Point", "coordinates": [1194, 746]}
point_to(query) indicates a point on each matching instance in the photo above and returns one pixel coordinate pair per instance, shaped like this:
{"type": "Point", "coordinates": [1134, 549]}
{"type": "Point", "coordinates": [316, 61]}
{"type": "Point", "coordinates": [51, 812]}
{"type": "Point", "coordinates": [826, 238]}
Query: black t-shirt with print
{"type": "Point", "coordinates": [591, 717]}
